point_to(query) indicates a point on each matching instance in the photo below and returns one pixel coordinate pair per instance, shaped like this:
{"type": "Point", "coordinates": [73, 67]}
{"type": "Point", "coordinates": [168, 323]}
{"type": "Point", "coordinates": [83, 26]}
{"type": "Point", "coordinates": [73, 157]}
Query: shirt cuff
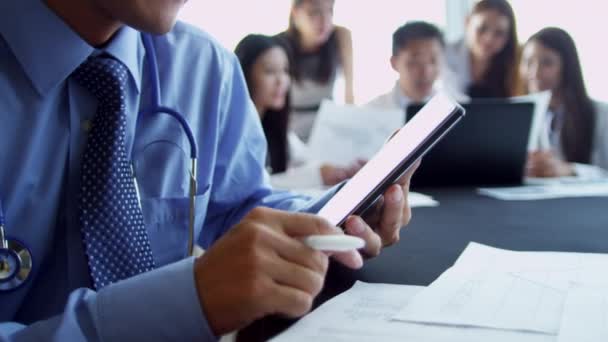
{"type": "Point", "coordinates": [155, 306]}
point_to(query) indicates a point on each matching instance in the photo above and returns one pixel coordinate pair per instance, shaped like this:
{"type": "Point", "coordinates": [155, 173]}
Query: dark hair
{"type": "Point", "coordinates": [502, 77]}
{"type": "Point", "coordinates": [328, 53]}
{"type": "Point", "coordinates": [415, 30]}
{"type": "Point", "coordinates": [274, 122]}
{"type": "Point", "coordinates": [579, 120]}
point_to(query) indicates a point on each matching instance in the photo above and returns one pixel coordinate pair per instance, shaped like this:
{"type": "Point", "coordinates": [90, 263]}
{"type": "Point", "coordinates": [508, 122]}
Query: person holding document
{"type": "Point", "coordinates": [98, 199]}
{"type": "Point", "coordinates": [576, 125]}
{"type": "Point", "coordinates": [265, 65]}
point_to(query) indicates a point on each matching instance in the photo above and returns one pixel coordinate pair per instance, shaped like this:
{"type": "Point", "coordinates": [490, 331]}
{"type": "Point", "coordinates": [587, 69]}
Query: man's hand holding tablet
{"type": "Point", "coordinates": [385, 179]}
{"type": "Point", "coordinates": [275, 261]}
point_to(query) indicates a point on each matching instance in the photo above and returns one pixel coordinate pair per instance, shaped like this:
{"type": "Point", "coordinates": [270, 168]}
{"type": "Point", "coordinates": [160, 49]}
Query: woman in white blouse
{"type": "Point", "coordinates": [577, 126]}
{"type": "Point", "coordinates": [265, 65]}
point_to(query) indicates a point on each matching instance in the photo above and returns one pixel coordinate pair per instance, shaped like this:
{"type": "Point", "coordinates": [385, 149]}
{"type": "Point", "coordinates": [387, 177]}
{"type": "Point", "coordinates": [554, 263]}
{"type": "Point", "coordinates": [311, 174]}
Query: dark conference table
{"type": "Point", "coordinates": [436, 236]}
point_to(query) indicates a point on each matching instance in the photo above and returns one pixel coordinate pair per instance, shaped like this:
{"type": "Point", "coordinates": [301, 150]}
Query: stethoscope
{"type": "Point", "coordinates": [16, 257]}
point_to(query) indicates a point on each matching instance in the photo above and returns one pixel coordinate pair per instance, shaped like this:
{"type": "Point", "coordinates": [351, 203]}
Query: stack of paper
{"type": "Point", "coordinates": [415, 199]}
{"type": "Point", "coordinates": [549, 191]}
{"type": "Point", "coordinates": [488, 295]}
{"type": "Point", "coordinates": [364, 314]}
{"type": "Point", "coordinates": [518, 291]}
{"type": "Point", "coordinates": [585, 315]}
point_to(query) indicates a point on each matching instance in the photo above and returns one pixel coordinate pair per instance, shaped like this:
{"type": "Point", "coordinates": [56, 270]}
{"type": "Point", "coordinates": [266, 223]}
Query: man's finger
{"type": "Point", "coordinates": [294, 224]}
{"type": "Point", "coordinates": [296, 276]}
{"type": "Point", "coordinates": [357, 227]}
{"type": "Point", "coordinates": [294, 251]}
{"type": "Point", "coordinates": [287, 300]}
{"type": "Point", "coordinates": [392, 215]}
{"type": "Point", "coordinates": [350, 259]}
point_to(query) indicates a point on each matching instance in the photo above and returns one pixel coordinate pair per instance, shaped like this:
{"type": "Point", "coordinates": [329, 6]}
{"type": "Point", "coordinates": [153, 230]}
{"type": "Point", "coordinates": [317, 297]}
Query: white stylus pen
{"type": "Point", "coordinates": [334, 243]}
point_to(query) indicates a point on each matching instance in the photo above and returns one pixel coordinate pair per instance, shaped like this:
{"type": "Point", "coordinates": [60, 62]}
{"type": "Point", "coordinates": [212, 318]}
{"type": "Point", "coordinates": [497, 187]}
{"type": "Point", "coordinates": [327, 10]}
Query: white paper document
{"type": "Point", "coordinates": [580, 268]}
{"type": "Point", "coordinates": [363, 314]}
{"type": "Point", "coordinates": [415, 199]}
{"type": "Point", "coordinates": [489, 300]}
{"type": "Point", "coordinates": [562, 180]}
{"type": "Point", "coordinates": [585, 317]}
{"type": "Point", "coordinates": [342, 134]}
{"type": "Point", "coordinates": [548, 191]}
{"type": "Point", "coordinates": [539, 135]}
{"type": "Point", "coordinates": [501, 289]}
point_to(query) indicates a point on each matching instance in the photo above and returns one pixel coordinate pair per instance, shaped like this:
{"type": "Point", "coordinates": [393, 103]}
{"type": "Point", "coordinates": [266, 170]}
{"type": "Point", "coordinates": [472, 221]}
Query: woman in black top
{"type": "Point", "coordinates": [266, 68]}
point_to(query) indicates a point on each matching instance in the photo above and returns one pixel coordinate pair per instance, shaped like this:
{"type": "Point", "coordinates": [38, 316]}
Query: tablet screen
{"type": "Point", "coordinates": [402, 146]}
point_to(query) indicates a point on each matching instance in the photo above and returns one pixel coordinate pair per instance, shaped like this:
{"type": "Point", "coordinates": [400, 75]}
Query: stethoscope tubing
{"type": "Point", "coordinates": [21, 254]}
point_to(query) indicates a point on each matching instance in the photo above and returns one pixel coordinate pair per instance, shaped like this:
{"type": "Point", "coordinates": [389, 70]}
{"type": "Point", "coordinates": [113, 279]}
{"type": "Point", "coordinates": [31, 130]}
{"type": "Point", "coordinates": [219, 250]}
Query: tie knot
{"type": "Point", "coordinates": [104, 76]}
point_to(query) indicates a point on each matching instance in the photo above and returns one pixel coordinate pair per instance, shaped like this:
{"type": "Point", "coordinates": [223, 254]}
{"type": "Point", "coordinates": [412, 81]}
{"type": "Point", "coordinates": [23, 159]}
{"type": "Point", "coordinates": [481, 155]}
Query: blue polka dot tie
{"type": "Point", "coordinates": [115, 238]}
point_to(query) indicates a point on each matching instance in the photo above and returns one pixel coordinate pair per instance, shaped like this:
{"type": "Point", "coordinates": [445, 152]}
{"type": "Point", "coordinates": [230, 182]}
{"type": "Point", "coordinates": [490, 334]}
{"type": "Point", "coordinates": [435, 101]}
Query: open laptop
{"type": "Point", "coordinates": [489, 147]}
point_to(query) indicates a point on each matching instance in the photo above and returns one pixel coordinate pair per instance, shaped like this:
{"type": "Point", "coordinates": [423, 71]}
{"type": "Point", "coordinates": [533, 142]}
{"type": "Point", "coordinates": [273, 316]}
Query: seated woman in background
{"type": "Point", "coordinates": [577, 126]}
{"type": "Point", "coordinates": [485, 62]}
{"type": "Point", "coordinates": [266, 68]}
{"type": "Point", "coordinates": [322, 53]}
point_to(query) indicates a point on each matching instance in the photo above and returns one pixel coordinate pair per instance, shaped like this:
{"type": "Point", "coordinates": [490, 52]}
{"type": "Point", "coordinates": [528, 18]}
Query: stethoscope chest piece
{"type": "Point", "coordinates": [15, 265]}
{"type": "Point", "coordinates": [16, 258]}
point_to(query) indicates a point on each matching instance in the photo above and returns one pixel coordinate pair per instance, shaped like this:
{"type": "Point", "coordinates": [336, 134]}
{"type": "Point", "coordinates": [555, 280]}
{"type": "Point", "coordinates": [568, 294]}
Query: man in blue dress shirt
{"type": "Point", "coordinates": [254, 264]}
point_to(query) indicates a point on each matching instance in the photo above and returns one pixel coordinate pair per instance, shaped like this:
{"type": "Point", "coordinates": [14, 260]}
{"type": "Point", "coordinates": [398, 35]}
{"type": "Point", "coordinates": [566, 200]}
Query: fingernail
{"type": "Point", "coordinates": [397, 195]}
{"type": "Point", "coordinates": [358, 261]}
{"type": "Point", "coordinates": [356, 226]}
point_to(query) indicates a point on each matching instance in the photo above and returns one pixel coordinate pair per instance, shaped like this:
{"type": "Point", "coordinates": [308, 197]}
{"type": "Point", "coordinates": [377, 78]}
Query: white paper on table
{"type": "Point", "coordinates": [415, 199]}
{"type": "Point", "coordinates": [563, 180]}
{"type": "Point", "coordinates": [342, 134]}
{"type": "Point", "coordinates": [548, 191]}
{"type": "Point", "coordinates": [363, 314]}
{"type": "Point", "coordinates": [558, 270]}
{"type": "Point", "coordinates": [494, 288]}
{"type": "Point", "coordinates": [490, 300]}
{"type": "Point", "coordinates": [585, 317]}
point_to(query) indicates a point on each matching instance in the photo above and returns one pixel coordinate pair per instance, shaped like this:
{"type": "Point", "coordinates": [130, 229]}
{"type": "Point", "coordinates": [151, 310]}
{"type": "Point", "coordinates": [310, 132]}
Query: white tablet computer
{"type": "Point", "coordinates": [410, 143]}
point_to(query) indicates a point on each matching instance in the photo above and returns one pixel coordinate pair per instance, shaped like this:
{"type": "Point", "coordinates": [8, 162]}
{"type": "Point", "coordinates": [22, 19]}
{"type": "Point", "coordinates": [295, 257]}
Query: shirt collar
{"type": "Point", "coordinates": [127, 47]}
{"type": "Point", "coordinates": [49, 50]}
{"type": "Point", "coordinates": [402, 100]}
